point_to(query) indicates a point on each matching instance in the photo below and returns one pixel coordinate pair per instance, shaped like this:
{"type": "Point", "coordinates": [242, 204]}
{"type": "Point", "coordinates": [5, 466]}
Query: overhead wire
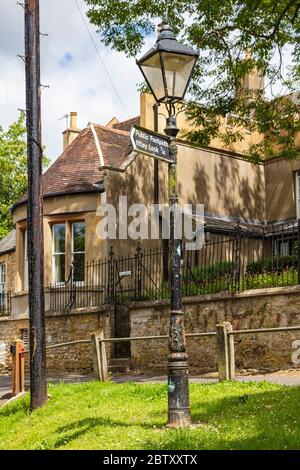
{"type": "Point", "coordinates": [100, 58]}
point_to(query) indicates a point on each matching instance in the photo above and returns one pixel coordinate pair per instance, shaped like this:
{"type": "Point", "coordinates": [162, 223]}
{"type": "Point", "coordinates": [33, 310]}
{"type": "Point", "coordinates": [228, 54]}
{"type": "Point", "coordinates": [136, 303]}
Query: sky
{"type": "Point", "coordinates": [69, 66]}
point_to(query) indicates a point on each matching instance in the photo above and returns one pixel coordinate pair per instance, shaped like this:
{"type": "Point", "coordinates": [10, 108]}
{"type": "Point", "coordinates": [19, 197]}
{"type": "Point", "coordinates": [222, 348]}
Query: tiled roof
{"type": "Point", "coordinates": [126, 125]}
{"type": "Point", "coordinates": [114, 144]}
{"type": "Point", "coordinates": [79, 168]}
{"type": "Point", "coordinates": [8, 243]}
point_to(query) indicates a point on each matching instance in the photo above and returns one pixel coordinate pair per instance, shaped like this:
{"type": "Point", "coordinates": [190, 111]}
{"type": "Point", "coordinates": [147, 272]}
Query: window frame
{"type": "Point", "coordinates": [2, 283]}
{"type": "Point", "coordinates": [55, 254]}
{"type": "Point", "coordinates": [26, 269]}
{"type": "Point", "coordinates": [3, 276]}
{"type": "Point", "coordinates": [77, 283]}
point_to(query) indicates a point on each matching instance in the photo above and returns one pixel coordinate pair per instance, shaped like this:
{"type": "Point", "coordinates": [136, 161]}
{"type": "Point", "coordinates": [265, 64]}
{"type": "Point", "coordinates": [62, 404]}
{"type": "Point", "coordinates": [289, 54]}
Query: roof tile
{"type": "Point", "coordinates": [78, 168]}
{"type": "Point", "coordinates": [8, 243]}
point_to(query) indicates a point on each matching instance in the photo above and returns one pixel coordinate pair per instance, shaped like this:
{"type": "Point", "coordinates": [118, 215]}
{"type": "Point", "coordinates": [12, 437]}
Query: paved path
{"type": "Point", "coordinates": [273, 378]}
{"type": "Point", "coordinates": [283, 378]}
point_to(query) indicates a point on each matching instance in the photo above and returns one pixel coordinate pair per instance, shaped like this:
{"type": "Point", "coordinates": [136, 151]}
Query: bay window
{"type": "Point", "coordinates": [68, 250]}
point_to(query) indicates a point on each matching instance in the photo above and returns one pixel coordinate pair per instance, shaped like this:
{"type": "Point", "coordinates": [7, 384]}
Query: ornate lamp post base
{"type": "Point", "coordinates": [178, 374]}
{"type": "Point", "coordinates": [178, 392]}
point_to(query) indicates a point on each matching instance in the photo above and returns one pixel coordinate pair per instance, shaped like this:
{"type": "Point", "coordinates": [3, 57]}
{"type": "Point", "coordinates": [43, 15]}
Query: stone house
{"type": "Point", "coordinates": [99, 160]}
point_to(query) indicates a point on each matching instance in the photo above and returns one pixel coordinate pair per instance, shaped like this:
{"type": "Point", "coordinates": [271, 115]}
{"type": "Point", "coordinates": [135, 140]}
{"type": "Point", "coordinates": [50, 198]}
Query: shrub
{"type": "Point", "coordinates": [275, 264]}
{"type": "Point", "coordinates": [203, 273]}
{"type": "Point", "coordinates": [288, 277]}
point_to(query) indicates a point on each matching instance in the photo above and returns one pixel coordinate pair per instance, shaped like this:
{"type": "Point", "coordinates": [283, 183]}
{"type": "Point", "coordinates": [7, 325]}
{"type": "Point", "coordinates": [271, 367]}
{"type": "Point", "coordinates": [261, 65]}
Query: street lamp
{"type": "Point", "coordinates": [167, 68]}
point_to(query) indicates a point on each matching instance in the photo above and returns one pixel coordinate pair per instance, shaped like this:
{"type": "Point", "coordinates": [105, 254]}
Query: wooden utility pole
{"type": "Point", "coordinates": [38, 385]}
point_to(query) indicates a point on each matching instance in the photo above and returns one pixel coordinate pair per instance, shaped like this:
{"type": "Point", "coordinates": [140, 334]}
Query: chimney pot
{"type": "Point", "coordinates": [72, 132]}
{"type": "Point", "coordinates": [73, 120]}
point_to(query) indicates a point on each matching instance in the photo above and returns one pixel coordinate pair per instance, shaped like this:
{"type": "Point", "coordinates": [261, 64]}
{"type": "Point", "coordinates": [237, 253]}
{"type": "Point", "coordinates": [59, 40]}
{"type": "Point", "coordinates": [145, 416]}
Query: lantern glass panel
{"type": "Point", "coordinates": [153, 73]}
{"type": "Point", "coordinates": [178, 69]}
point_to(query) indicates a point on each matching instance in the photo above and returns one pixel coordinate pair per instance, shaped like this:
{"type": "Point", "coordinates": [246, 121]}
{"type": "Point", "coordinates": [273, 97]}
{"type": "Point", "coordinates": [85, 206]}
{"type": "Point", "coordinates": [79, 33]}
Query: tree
{"type": "Point", "coordinates": [234, 37]}
{"type": "Point", "coordinates": [13, 170]}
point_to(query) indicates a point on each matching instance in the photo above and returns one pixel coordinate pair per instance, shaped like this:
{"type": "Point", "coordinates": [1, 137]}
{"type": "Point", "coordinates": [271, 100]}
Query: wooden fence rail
{"type": "Point", "coordinates": [224, 335]}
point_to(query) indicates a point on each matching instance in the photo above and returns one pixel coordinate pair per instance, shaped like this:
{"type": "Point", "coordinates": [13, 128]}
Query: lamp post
{"type": "Point", "coordinates": [167, 68]}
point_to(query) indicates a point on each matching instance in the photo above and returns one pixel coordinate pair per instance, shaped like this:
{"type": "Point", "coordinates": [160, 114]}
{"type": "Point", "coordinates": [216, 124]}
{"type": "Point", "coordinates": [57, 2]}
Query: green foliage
{"type": "Point", "coordinates": [209, 272]}
{"type": "Point", "coordinates": [223, 32]}
{"type": "Point", "coordinates": [219, 277]}
{"type": "Point", "coordinates": [230, 415]}
{"type": "Point", "coordinates": [287, 277]}
{"type": "Point", "coordinates": [272, 265]}
{"type": "Point", "coordinates": [13, 170]}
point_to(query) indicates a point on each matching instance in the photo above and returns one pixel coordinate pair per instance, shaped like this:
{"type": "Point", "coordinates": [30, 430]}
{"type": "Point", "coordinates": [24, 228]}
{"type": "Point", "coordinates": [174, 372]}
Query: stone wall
{"type": "Point", "coordinates": [9, 331]}
{"type": "Point", "coordinates": [60, 328]}
{"type": "Point", "coordinates": [253, 309]}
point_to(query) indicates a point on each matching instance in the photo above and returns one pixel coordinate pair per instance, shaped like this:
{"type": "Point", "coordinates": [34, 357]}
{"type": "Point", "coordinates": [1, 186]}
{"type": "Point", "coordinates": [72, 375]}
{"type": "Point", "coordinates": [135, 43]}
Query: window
{"type": "Point", "coordinates": [25, 260]}
{"type": "Point", "coordinates": [297, 188]}
{"type": "Point", "coordinates": [2, 283]}
{"type": "Point", "coordinates": [58, 252]}
{"type": "Point", "coordinates": [78, 250]}
{"type": "Point", "coordinates": [25, 338]}
{"type": "Point", "coordinates": [2, 277]}
{"type": "Point", "coordinates": [284, 248]}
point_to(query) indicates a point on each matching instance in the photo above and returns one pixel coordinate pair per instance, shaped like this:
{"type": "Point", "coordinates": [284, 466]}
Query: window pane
{"type": "Point", "coordinates": [78, 272]}
{"type": "Point", "coordinates": [78, 237]}
{"type": "Point", "coordinates": [59, 238]}
{"type": "Point", "coordinates": [2, 285]}
{"type": "Point", "coordinates": [59, 268]}
{"type": "Point", "coordinates": [2, 277]}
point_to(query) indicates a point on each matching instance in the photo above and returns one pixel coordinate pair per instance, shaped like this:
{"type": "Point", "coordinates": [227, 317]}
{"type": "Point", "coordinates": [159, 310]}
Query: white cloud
{"type": "Point", "coordinates": [70, 66]}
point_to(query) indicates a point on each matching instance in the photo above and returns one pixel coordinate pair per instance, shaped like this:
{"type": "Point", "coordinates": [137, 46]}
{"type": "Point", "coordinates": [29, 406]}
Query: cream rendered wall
{"type": "Point", "coordinates": [224, 184]}
{"type": "Point", "coordinates": [137, 183]}
{"type": "Point", "coordinates": [280, 188]}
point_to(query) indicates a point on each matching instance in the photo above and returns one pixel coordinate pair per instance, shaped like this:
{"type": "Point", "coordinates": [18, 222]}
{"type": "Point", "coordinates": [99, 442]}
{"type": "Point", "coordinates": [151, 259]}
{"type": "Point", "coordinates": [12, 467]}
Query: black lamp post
{"type": "Point", "coordinates": [167, 68]}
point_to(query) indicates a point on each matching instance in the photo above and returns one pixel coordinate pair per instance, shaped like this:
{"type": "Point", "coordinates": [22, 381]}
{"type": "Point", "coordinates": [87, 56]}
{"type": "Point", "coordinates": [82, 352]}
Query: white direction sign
{"type": "Point", "coordinates": [151, 143]}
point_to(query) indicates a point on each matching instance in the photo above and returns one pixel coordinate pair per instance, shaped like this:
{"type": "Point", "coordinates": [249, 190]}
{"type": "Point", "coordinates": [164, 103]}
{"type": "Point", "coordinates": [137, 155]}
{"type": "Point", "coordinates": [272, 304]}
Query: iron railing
{"type": "Point", "coordinates": [239, 260]}
{"type": "Point", "coordinates": [5, 304]}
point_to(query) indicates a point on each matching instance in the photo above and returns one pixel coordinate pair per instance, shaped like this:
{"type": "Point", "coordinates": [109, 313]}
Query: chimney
{"type": "Point", "coordinates": [71, 132]}
{"type": "Point", "coordinates": [254, 80]}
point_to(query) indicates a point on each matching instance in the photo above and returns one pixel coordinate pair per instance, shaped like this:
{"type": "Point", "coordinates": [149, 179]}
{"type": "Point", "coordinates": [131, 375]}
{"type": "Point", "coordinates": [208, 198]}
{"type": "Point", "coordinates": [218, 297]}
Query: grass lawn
{"type": "Point", "coordinates": [130, 416]}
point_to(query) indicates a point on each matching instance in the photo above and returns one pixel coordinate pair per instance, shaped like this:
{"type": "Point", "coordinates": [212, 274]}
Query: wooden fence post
{"type": "Point", "coordinates": [17, 351]}
{"type": "Point", "coordinates": [225, 346]}
{"type": "Point", "coordinates": [103, 357]}
{"type": "Point", "coordinates": [99, 356]}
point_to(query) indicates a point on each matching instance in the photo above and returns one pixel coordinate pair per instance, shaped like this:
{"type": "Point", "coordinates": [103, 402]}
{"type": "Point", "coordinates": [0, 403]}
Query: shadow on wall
{"type": "Point", "coordinates": [137, 183]}
{"type": "Point", "coordinates": [227, 191]}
